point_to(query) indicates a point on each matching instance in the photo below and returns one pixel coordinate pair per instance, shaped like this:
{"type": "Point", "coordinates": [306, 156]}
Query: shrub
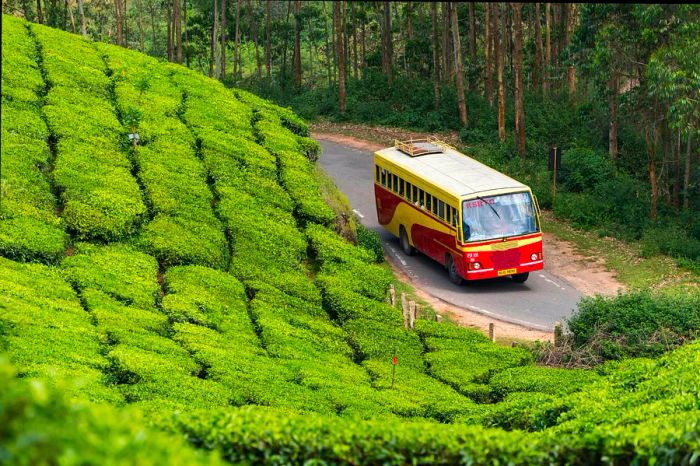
{"type": "Point", "coordinates": [635, 324]}
{"type": "Point", "coordinates": [371, 241]}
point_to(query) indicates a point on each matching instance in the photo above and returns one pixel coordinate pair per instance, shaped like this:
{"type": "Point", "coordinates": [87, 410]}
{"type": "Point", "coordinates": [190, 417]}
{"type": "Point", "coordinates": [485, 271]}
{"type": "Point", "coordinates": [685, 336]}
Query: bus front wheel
{"type": "Point", "coordinates": [405, 244]}
{"type": "Point", "coordinates": [455, 277]}
{"type": "Point", "coordinates": [520, 277]}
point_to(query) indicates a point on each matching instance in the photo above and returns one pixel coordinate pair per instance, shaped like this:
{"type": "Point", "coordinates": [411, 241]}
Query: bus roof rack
{"type": "Point", "coordinates": [423, 146]}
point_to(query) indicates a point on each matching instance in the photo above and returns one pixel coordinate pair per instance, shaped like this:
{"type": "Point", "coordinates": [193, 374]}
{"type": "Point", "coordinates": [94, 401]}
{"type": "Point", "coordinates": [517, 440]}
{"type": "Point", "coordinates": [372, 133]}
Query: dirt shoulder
{"type": "Point", "coordinates": [587, 274]}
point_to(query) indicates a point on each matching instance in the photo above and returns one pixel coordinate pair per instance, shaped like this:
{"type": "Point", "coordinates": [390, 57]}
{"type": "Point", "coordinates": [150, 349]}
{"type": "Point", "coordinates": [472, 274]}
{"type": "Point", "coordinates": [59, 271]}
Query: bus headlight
{"type": "Point", "coordinates": [476, 266]}
{"type": "Point", "coordinates": [533, 257]}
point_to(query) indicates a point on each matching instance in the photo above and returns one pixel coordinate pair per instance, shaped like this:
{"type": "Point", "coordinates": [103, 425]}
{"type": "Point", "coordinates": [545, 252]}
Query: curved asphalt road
{"type": "Point", "coordinates": [538, 303]}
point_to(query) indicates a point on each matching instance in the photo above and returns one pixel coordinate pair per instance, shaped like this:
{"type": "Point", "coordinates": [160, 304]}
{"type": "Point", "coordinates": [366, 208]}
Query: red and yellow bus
{"type": "Point", "coordinates": [472, 219]}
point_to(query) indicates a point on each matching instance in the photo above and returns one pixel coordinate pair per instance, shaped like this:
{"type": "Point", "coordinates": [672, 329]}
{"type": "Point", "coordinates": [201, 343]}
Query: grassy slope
{"type": "Point", "coordinates": [194, 278]}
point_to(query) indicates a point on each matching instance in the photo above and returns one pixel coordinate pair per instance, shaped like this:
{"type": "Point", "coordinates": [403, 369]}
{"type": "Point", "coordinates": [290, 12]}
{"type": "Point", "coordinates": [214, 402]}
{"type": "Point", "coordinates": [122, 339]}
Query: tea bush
{"type": "Point", "coordinates": [100, 197]}
{"type": "Point", "coordinates": [30, 229]}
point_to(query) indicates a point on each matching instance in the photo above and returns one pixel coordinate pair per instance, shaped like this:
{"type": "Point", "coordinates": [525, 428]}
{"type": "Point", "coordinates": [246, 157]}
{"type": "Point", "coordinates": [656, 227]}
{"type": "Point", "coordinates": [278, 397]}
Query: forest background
{"type": "Point", "coordinates": [616, 86]}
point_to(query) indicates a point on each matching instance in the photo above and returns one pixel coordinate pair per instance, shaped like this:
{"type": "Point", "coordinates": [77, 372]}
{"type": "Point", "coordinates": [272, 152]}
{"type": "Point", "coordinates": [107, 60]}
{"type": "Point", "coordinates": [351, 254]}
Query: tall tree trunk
{"type": "Point", "coordinates": [177, 22]}
{"type": "Point", "coordinates": [344, 29]}
{"type": "Point", "coordinates": [120, 25]}
{"type": "Point", "coordinates": [651, 152]}
{"type": "Point", "coordinates": [364, 38]}
{"type": "Point", "coordinates": [187, 40]}
{"type": "Point", "coordinates": [329, 52]}
{"type": "Point", "coordinates": [677, 172]}
{"type": "Point", "coordinates": [472, 32]}
{"type": "Point", "coordinates": [488, 54]}
{"type": "Point", "coordinates": [169, 32]}
{"type": "Point", "coordinates": [459, 75]}
{"type": "Point", "coordinates": [548, 48]}
{"type": "Point", "coordinates": [141, 39]}
{"type": "Point", "coordinates": [72, 18]}
{"type": "Point", "coordinates": [355, 64]}
{"type": "Point", "coordinates": [686, 178]}
{"type": "Point", "coordinates": [387, 43]}
{"type": "Point", "coordinates": [570, 28]}
{"type": "Point", "coordinates": [613, 106]}
{"type": "Point", "coordinates": [81, 14]}
{"type": "Point", "coordinates": [152, 10]}
{"type": "Point", "coordinates": [284, 48]}
{"type": "Point", "coordinates": [39, 13]}
{"type": "Point", "coordinates": [341, 55]}
{"type": "Point", "coordinates": [539, 50]}
{"type": "Point", "coordinates": [297, 43]}
{"type": "Point", "coordinates": [518, 55]}
{"type": "Point", "coordinates": [312, 45]}
{"type": "Point", "coordinates": [447, 44]}
{"type": "Point", "coordinates": [212, 53]}
{"type": "Point", "coordinates": [499, 74]}
{"type": "Point", "coordinates": [224, 11]}
{"type": "Point", "coordinates": [494, 44]}
{"type": "Point", "coordinates": [254, 25]}
{"type": "Point", "coordinates": [667, 156]}
{"type": "Point", "coordinates": [268, 49]}
{"type": "Point", "coordinates": [125, 20]}
{"type": "Point", "coordinates": [436, 57]}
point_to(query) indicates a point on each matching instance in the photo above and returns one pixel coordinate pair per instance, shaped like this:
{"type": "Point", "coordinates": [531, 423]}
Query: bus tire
{"type": "Point", "coordinates": [455, 277]}
{"type": "Point", "coordinates": [405, 244]}
{"type": "Point", "coordinates": [520, 277]}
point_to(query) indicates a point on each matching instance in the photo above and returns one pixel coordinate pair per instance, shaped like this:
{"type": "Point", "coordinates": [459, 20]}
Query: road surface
{"type": "Point", "coordinates": [538, 303]}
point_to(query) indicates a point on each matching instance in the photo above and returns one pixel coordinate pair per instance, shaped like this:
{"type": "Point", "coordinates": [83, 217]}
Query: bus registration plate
{"type": "Point", "coordinates": [506, 272]}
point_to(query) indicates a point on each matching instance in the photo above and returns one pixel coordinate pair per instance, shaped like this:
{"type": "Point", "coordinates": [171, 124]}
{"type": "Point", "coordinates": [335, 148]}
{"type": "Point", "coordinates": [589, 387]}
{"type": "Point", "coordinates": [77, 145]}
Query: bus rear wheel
{"type": "Point", "coordinates": [520, 277]}
{"type": "Point", "coordinates": [455, 277]}
{"type": "Point", "coordinates": [405, 244]}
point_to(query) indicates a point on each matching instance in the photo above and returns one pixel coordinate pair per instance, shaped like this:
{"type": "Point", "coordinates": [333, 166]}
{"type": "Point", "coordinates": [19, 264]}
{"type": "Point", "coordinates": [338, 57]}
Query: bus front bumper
{"type": "Point", "coordinates": [482, 274]}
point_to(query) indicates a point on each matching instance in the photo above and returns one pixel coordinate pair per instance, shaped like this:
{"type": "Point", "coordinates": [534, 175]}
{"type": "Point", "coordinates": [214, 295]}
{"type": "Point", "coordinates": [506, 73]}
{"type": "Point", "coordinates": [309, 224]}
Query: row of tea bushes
{"type": "Point", "coordinates": [100, 198]}
{"type": "Point", "coordinates": [41, 424]}
{"type": "Point", "coordinates": [29, 226]}
{"type": "Point", "coordinates": [118, 286]}
{"type": "Point", "coordinates": [184, 229]}
{"type": "Point", "coordinates": [257, 212]}
{"type": "Point", "coordinates": [46, 331]}
{"type": "Point", "coordinates": [293, 152]}
{"type": "Point", "coordinates": [354, 291]}
{"type": "Point", "coordinates": [465, 359]}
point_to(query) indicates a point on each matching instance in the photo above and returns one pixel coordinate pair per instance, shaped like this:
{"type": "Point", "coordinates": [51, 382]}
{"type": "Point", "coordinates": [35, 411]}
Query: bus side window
{"type": "Point", "coordinates": [376, 173]}
{"type": "Point", "coordinates": [408, 190]}
{"type": "Point", "coordinates": [421, 198]}
{"type": "Point", "coordinates": [401, 186]}
{"type": "Point", "coordinates": [428, 202]}
{"type": "Point", "coordinates": [453, 216]}
{"type": "Point", "coordinates": [388, 180]}
{"type": "Point", "coordinates": [435, 207]}
{"type": "Point", "coordinates": [395, 182]}
{"type": "Point", "coordinates": [441, 210]}
{"type": "Point", "coordinates": [415, 194]}
{"type": "Point", "coordinates": [383, 177]}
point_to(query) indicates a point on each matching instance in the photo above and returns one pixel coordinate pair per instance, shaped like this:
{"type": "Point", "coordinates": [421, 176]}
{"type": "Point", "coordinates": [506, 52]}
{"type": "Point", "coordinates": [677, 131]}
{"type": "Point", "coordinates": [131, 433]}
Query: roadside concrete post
{"type": "Point", "coordinates": [492, 332]}
{"type": "Point", "coordinates": [412, 314]}
{"type": "Point", "coordinates": [404, 308]}
{"type": "Point", "coordinates": [417, 311]}
{"type": "Point", "coordinates": [392, 295]}
{"type": "Point", "coordinates": [557, 333]}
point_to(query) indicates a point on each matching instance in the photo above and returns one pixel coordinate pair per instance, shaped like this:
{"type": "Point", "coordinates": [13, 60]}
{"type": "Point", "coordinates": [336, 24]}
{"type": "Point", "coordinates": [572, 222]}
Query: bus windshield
{"type": "Point", "coordinates": [500, 216]}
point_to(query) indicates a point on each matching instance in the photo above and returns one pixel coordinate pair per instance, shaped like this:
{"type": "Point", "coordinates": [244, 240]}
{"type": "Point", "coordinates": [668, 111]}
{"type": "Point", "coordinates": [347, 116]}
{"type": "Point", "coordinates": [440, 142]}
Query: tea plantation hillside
{"type": "Point", "coordinates": [188, 293]}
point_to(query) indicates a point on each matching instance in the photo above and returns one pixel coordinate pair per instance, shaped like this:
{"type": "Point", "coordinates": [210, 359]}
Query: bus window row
{"type": "Point", "coordinates": [416, 195]}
